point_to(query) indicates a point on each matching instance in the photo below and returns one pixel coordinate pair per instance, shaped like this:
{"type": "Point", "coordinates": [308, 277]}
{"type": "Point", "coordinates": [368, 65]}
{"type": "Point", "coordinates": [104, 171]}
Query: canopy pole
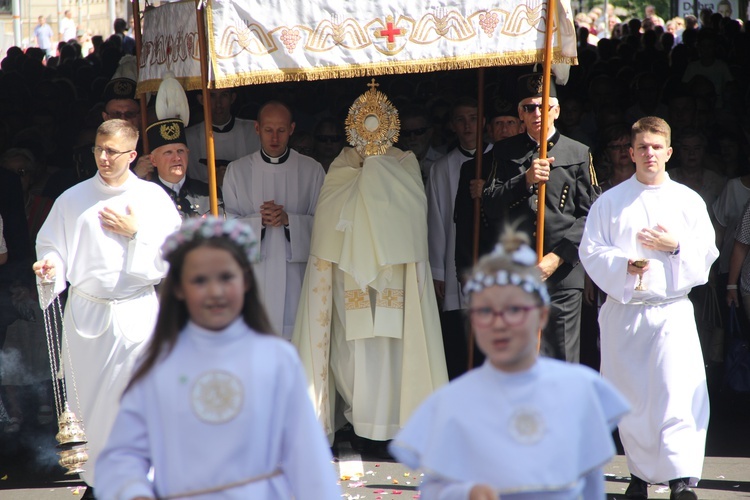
{"type": "Point", "coordinates": [477, 201]}
{"type": "Point", "coordinates": [142, 98]}
{"type": "Point", "coordinates": [547, 73]}
{"type": "Point", "coordinates": [207, 121]}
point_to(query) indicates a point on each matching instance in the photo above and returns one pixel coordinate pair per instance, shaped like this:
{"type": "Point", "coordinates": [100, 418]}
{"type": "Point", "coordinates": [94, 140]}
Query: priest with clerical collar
{"type": "Point", "coordinates": [169, 156]}
{"type": "Point", "coordinates": [275, 190]}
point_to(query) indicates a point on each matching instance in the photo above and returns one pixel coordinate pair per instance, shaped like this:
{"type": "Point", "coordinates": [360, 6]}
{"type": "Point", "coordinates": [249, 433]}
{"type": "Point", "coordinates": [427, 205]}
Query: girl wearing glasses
{"type": "Point", "coordinates": [519, 426]}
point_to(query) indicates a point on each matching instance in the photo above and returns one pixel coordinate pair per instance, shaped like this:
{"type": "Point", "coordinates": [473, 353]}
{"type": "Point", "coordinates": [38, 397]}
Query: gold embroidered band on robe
{"type": "Point", "coordinates": [370, 313]}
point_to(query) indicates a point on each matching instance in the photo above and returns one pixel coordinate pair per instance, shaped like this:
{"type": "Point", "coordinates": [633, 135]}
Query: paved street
{"type": "Point", "coordinates": [28, 467]}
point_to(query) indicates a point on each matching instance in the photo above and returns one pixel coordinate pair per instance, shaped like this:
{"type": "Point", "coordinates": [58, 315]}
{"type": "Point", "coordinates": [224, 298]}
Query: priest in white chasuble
{"type": "Point", "coordinates": [368, 325]}
{"type": "Point", "coordinates": [275, 190]}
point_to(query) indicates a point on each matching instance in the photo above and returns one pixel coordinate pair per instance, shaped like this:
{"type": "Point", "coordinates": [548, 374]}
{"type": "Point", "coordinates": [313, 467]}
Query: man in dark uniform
{"type": "Point", "coordinates": [169, 156]}
{"type": "Point", "coordinates": [510, 196]}
{"type": "Point", "coordinates": [506, 112]}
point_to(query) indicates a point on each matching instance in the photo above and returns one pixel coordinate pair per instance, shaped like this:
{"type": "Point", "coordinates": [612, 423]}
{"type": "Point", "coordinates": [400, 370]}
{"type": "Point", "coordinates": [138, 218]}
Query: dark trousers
{"type": "Point", "coordinates": [453, 325]}
{"type": "Point", "coordinates": [561, 339]}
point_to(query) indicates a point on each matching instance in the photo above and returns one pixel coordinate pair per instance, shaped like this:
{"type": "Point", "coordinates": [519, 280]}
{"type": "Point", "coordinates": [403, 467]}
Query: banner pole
{"type": "Point", "coordinates": [142, 98]}
{"type": "Point", "coordinates": [477, 201]}
{"type": "Point", "coordinates": [207, 120]}
{"type": "Point", "coordinates": [542, 191]}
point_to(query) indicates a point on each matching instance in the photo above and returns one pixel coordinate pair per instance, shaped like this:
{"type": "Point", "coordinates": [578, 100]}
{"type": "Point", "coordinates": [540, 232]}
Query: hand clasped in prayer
{"type": "Point", "coordinates": [273, 215]}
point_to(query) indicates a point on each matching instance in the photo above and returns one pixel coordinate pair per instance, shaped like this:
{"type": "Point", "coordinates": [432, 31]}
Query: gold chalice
{"type": "Point", "coordinates": [640, 264]}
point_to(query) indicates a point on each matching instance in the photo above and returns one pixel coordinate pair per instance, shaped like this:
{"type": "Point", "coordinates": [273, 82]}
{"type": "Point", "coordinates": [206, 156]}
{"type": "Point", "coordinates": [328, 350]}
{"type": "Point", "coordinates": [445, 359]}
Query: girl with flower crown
{"type": "Point", "coordinates": [217, 405]}
{"type": "Point", "coordinates": [519, 426]}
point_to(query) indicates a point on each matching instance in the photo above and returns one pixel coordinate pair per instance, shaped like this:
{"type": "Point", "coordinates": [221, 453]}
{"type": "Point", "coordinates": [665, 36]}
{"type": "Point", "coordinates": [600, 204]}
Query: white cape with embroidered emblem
{"type": "Point", "coordinates": [464, 434]}
{"type": "Point", "coordinates": [221, 409]}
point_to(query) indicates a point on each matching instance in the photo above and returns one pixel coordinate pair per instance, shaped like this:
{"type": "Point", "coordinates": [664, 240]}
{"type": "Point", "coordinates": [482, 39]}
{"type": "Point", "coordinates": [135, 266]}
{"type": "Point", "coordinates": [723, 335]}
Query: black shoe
{"type": "Point", "coordinates": [89, 494]}
{"type": "Point", "coordinates": [638, 489]}
{"type": "Point", "coordinates": [379, 449]}
{"type": "Point", "coordinates": [681, 491]}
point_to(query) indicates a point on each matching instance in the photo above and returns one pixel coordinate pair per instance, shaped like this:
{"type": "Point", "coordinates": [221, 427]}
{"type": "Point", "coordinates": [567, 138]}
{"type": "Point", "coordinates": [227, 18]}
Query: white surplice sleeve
{"type": "Point", "coordinates": [123, 466]}
{"type": "Point", "coordinates": [605, 263]}
{"type": "Point", "coordinates": [439, 216]}
{"type": "Point", "coordinates": [698, 250]}
{"type": "Point", "coordinates": [300, 224]}
{"type": "Point", "coordinates": [237, 199]}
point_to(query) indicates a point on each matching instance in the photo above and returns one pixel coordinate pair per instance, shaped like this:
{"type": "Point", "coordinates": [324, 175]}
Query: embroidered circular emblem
{"type": "Point", "coordinates": [170, 131]}
{"type": "Point", "coordinates": [372, 125]}
{"type": "Point", "coordinates": [526, 425]}
{"type": "Point", "coordinates": [217, 397]}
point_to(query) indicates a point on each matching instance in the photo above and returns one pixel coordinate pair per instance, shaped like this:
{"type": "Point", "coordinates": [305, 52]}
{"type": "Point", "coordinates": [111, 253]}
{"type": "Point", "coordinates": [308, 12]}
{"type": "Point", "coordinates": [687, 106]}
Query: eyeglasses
{"type": "Point", "coordinates": [530, 108]}
{"type": "Point", "coordinates": [111, 153]}
{"type": "Point", "coordinates": [512, 315]}
{"type": "Point", "coordinates": [123, 115]}
{"type": "Point", "coordinates": [415, 132]}
{"type": "Point", "coordinates": [331, 139]}
{"type": "Point", "coordinates": [618, 147]}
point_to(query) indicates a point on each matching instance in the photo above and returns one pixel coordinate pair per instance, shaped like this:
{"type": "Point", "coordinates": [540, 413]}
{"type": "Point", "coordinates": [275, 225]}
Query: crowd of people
{"type": "Point", "coordinates": [656, 116]}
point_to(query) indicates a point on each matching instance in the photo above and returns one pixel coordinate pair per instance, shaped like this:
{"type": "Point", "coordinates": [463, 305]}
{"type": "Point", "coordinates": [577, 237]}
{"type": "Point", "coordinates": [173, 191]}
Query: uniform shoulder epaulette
{"type": "Point", "coordinates": [592, 172]}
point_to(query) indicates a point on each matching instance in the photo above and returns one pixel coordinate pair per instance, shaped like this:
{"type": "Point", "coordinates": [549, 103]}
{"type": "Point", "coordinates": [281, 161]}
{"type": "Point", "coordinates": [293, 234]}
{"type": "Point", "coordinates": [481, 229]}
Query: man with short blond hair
{"type": "Point", "coordinates": [648, 241]}
{"type": "Point", "coordinates": [103, 237]}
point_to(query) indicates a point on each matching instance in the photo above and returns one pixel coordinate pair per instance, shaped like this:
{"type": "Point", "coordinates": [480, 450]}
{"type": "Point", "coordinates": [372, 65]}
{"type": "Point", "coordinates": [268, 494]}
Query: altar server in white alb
{"type": "Point", "coordinates": [275, 190]}
{"type": "Point", "coordinates": [217, 405]}
{"type": "Point", "coordinates": [649, 342]}
{"type": "Point", "coordinates": [442, 185]}
{"type": "Point", "coordinates": [520, 426]}
{"type": "Point", "coordinates": [103, 236]}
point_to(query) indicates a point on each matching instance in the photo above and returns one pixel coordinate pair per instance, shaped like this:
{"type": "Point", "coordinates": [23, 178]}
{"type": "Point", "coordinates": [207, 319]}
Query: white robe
{"type": "Point", "coordinates": [544, 433]}
{"type": "Point", "coordinates": [240, 141]}
{"type": "Point", "coordinates": [248, 183]}
{"type": "Point", "coordinates": [105, 337]}
{"type": "Point", "coordinates": [442, 185]}
{"type": "Point", "coordinates": [649, 342]}
{"type": "Point", "coordinates": [221, 408]}
{"type": "Point", "coordinates": [370, 236]}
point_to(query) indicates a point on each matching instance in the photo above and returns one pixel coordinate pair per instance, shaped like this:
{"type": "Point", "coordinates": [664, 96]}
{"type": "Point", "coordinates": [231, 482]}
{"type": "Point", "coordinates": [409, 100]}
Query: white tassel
{"type": "Point", "coordinates": [171, 101]}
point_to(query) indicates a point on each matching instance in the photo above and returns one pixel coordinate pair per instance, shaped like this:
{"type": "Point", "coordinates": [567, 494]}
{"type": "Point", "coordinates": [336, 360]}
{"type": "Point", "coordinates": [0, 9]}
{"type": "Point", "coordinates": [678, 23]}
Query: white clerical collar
{"type": "Point", "coordinates": [220, 128]}
{"type": "Point", "coordinates": [276, 160]}
{"type": "Point", "coordinates": [552, 131]}
{"type": "Point", "coordinates": [174, 186]}
{"type": "Point", "coordinates": [469, 153]}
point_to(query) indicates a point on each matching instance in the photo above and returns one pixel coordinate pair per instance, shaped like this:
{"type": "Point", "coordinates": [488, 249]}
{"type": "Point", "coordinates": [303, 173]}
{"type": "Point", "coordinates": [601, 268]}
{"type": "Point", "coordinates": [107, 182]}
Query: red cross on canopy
{"type": "Point", "coordinates": [390, 31]}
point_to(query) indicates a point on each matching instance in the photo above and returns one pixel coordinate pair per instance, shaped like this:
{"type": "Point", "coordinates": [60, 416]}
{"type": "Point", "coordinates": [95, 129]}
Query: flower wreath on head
{"type": "Point", "coordinates": [213, 227]}
{"type": "Point", "coordinates": [524, 256]}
